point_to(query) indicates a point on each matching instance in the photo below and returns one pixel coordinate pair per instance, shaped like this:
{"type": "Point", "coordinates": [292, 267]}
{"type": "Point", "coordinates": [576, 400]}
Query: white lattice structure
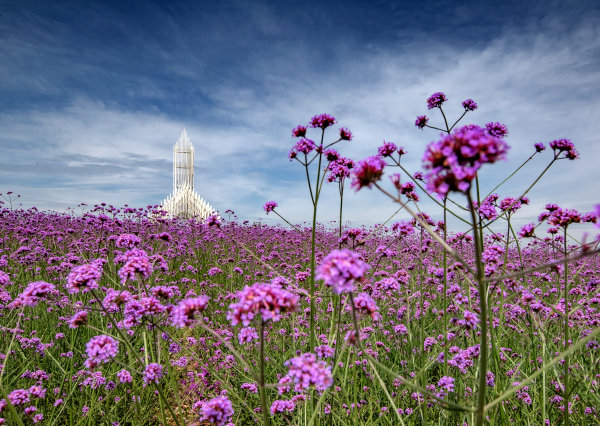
{"type": "Point", "coordinates": [184, 202]}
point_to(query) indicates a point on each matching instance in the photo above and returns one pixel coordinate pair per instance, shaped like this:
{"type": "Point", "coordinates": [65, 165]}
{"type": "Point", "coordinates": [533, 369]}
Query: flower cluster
{"type": "Point", "coordinates": [33, 293]}
{"type": "Point", "coordinates": [267, 300]}
{"type": "Point", "coordinates": [436, 100]}
{"type": "Point", "coordinates": [341, 269]}
{"type": "Point", "coordinates": [307, 371]}
{"type": "Point", "coordinates": [100, 349]}
{"type": "Point", "coordinates": [454, 160]}
{"type": "Point", "coordinates": [469, 105]}
{"type": "Point", "coordinates": [270, 206]}
{"type": "Point", "coordinates": [217, 411]}
{"type": "Point", "coordinates": [183, 313]}
{"type": "Point", "coordinates": [152, 373]}
{"type": "Point", "coordinates": [138, 264]}
{"type": "Point", "coordinates": [128, 241]}
{"type": "Point", "coordinates": [305, 146]}
{"type": "Point", "coordinates": [367, 172]}
{"type": "Point", "coordinates": [564, 145]}
{"type": "Point", "coordinates": [365, 304]}
{"type": "Point", "coordinates": [85, 277]}
{"type": "Point", "coordinates": [339, 169]}
{"type": "Point", "coordinates": [322, 120]}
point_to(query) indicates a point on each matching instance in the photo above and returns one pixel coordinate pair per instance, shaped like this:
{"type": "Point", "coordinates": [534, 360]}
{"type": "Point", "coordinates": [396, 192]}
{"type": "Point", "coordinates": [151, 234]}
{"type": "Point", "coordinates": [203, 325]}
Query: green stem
{"type": "Point", "coordinates": [261, 383]}
{"type": "Point", "coordinates": [483, 349]}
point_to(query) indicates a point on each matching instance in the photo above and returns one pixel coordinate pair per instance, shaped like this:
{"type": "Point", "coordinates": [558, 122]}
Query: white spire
{"type": "Point", "coordinates": [183, 141]}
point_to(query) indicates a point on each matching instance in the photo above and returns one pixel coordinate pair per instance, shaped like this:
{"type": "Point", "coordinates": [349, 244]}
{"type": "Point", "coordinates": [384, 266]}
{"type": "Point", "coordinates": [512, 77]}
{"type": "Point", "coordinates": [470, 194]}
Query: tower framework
{"type": "Point", "coordinates": [184, 202]}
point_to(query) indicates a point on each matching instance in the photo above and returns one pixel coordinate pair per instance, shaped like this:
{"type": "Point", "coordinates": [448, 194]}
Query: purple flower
{"type": "Point", "coordinates": [421, 121]}
{"type": "Point", "coordinates": [470, 320]}
{"type": "Point", "coordinates": [153, 373]}
{"type": "Point", "coordinates": [566, 146]}
{"type": "Point", "coordinates": [4, 279]}
{"type": "Point", "coordinates": [124, 376]}
{"type": "Point", "coordinates": [454, 160]}
{"type": "Point", "coordinates": [85, 277]}
{"type": "Point", "coordinates": [217, 411]}
{"type": "Point", "coordinates": [469, 105]}
{"type": "Point", "coordinates": [183, 313]}
{"type": "Point", "coordinates": [387, 149]}
{"type": "Point", "coordinates": [367, 172]}
{"type": "Point", "coordinates": [496, 129]}
{"type": "Point", "coordinates": [299, 131]}
{"type": "Point", "coordinates": [128, 241]}
{"type": "Point", "coordinates": [341, 269]}
{"type": "Point", "coordinates": [100, 349]}
{"type": "Point", "coordinates": [19, 397]}
{"type": "Point", "coordinates": [365, 304]}
{"type": "Point", "coordinates": [33, 293]}
{"type": "Point", "coordinates": [436, 100]}
{"type": "Point", "coordinates": [323, 121]}
{"type": "Point", "coordinates": [539, 147]}
{"type": "Point", "coordinates": [270, 206]}
{"type": "Point", "coordinates": [247, 335]}
{"type": "Point", "coordinates": [446, 383]}
{"type": "Point", "coordinates": [304, 145]}
{"type": "Point", "coordinates": [268, 300]}
{"type": "Point", "coordinates": [527, 231]}
{"type": "Point", "coordinates": [307, 371]}
{"type": "Point", "coordinates": [563, 217]}
{"type": "Point", "coordinates": [282, 406]}
{"type": "Point", "coordinates": [137, 265]}
{"type": "Point", "coordinates": [345, 134]}
{"type": "Point", "coordinates": [80, 318]}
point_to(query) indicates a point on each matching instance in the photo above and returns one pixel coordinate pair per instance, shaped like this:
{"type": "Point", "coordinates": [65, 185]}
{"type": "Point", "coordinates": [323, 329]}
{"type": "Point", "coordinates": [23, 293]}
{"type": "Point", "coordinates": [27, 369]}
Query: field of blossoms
{"type": "Point", "coordinates": [121, 316]}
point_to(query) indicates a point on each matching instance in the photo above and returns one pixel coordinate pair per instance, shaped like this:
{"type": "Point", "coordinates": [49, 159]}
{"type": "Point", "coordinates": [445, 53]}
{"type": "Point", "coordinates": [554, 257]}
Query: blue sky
{"type": "Point", "coordinates": [95, 94]}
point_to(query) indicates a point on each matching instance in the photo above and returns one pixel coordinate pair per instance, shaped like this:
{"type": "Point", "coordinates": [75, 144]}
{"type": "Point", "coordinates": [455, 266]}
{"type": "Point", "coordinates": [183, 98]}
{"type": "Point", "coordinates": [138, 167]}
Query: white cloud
{"type": "Point", "coordinates": [542, 85]}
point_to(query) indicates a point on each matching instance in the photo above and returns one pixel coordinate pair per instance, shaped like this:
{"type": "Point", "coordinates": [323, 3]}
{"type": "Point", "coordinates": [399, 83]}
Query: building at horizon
{"type": "Point", "coordinates": [184, 202]}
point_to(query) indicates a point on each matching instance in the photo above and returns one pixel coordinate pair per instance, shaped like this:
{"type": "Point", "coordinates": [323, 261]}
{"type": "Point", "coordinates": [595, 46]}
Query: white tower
{"type": "Point", "coordinates": [184, 202]}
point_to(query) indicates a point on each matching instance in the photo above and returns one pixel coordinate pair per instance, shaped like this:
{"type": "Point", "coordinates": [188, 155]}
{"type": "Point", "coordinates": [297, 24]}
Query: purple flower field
{"type": "Point", "coordinates": [120, 316]}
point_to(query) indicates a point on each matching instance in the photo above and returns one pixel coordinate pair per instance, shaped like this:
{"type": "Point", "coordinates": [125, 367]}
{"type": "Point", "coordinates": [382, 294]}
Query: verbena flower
{"type": "Point", "coordinates": [153, 373]}
{"type": "Point", "coordinates": [137, 265]}
{"type": "Point", "coordinates": [436, 100]}
{"type": "Point", "coordinates": [128, 241]}
{"type": "Point", "coordinates": [341, 269]}
{"type": "Point", "coordinates": [387, 149]}
{"type": "Point", "coordinates": [367, 172]}
{"type": "Point", "coordinates": [469, 105]}
{"type": "Point", "coordinates": [539, 147]}
{"type": "Point", "coordinates": [421, 121]}
{"type": "Point", "coordinates": [269, 301]}
{"type": "Point", "coordinates": [322, 120]}
{"type": "Point", "coordinates": [307, 371]}
{"type": "Point", "coordinates": [496, 129]}
{"type": "Point", "coordinates": [282, 406]}
{"type": "Point", "coordinates": [33, 293]}
{"type": "Point", "coordinates": [365, 304]}
{"type": "Point", "coordinates": [345, 134]}
{"type": "Point", "coordinates": [564, 146]}
{"type": "Point", "coordinates": [247, 335]}
{"type": "Point", "coordinates": [217, 411]}
{"type": "Point", "coordinates": [79, 319]}
{"type": "Point", "coordinates": [270, 206]}
{"type": "Point", "coordinates": [183, 313]}
{"type": "Point", "coordinates": [454, 160]}
{"type": "Point", "coordinates": [299, 131]}
{"type": "Point", "coordinates": [100, 349]}
{"type": "Point", "coordinates": [85, 277]}
{"type": "Point", "coordinates": [527, 231]}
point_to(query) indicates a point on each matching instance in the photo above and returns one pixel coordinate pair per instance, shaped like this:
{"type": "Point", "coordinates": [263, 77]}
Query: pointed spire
{"type": "Point", "coordinates": [183, 141]}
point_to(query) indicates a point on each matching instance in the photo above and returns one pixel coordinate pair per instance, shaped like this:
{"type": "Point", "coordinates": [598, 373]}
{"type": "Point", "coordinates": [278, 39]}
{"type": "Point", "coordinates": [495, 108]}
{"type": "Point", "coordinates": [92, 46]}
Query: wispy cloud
{"type": "Point", "coordinates": [239, 105]}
